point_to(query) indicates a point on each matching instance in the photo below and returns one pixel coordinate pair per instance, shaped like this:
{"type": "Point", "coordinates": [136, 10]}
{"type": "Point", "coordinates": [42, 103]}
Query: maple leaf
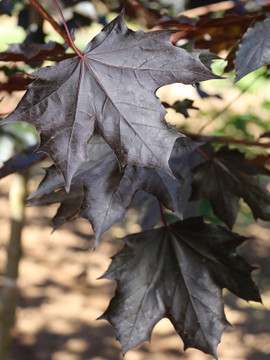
{"type": "Point", "coordinates": [253, 49]}
{"type": "Point", "coordinates": [108, 189]}
{"type": "Point", "coordinates": [111, 88]}
{"type": "Point", "coordinates": [216, 34]}
{"type": "Point", "coordinates": [225, 178]}
{"type": "Point", "coordinates": [147, 209]}
{"type": "Point", "coordinates": [69, 204]}
{"type": "Point", "coordinates": [22, 161]}
{"type": "Point", "coordinates": [179, 274]}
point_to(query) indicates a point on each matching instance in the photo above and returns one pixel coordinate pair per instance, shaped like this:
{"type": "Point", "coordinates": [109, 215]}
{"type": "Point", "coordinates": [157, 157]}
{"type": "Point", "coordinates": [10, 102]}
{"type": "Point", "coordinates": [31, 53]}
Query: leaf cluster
{"type": "Point", "coordinates": [104, 128]}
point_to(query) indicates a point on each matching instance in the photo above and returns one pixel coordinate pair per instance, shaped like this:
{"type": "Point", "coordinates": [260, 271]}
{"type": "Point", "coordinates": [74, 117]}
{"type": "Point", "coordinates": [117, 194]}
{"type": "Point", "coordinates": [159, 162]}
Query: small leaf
{"type": "Point", "coordinates": [181, 106]}
{"type": "Point", "coordinates": [225, 178]}
{"type": "Point", "coordinates": [254, 49]}
{"type": "Point", "coordinates": [178, 274]}
{"type": "Point", "coordinates": [204, 94]}
{"type": "Point", "coordinates": [22, 161]}
{"type": "Point", "coordinates": [69, 204]}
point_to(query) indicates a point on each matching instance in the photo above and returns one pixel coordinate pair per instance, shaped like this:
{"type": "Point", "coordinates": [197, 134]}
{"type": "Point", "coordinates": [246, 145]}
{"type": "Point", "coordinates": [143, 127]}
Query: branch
{"type": "Point", "coordinates": [54, 24]}
{"type": "Point", "coordinates": [204, 10]}
{"type": "Point", "coordinates": [231, 102]}
{"type": "Point", "coordinates": [227, 140]}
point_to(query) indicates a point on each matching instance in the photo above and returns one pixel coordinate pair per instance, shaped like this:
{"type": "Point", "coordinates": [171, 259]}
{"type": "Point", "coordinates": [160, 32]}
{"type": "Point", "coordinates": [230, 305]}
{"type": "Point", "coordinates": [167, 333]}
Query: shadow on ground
{"type": "Point", "coordinates": [61, 298]}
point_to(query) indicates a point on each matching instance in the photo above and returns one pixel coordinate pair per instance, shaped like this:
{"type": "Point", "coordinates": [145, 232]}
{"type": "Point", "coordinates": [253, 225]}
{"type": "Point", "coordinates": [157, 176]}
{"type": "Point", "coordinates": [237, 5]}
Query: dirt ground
{"type": "Point", "coordinates": [61, 297]}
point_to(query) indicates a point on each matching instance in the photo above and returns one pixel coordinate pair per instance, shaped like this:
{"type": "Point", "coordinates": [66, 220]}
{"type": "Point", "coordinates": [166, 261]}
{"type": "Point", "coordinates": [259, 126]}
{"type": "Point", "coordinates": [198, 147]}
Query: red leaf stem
{"type": "Point", "coordinates": [67, 30]}
{"type": "Point", "coordinates": [55, 25]}
{"type": "Point", "coordinates": [162, 216]}
{"type": "Point", "coordinates": [203, 154]}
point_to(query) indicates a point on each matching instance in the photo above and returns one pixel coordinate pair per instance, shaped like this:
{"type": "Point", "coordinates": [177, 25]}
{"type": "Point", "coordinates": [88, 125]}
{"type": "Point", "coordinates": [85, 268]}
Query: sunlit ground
{"type": "Point", "coordinates": [61, 298]}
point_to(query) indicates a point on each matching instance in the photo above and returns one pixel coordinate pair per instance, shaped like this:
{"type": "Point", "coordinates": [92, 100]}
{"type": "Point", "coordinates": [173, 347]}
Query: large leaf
{"type": "Point", "coordinates": [177, 273]}
{"type": "Point", "coordinates": [108, 190]}
{"type": "Point", "coordinates": [225, 178]}
{"type": "Point", "coordinates": [112, 88]}
{"type": "Point", "coordinates": [254, 49]}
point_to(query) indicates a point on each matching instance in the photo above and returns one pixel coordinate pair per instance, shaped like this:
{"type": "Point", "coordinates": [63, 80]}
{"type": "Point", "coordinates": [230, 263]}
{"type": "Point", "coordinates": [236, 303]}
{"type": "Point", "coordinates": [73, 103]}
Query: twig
{"type": "Point", "coordinates": [54, 24]}
{"type": "Point", "coordinates": [230, 103]}
{"type": "Point", "coordinates": [203, 10]}
{"type": "Point", "coordinates": [228, 140]}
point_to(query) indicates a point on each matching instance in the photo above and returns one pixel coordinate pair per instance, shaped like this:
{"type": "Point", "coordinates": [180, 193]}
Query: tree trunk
{"type": "Point", "coordinates": [9, 293]}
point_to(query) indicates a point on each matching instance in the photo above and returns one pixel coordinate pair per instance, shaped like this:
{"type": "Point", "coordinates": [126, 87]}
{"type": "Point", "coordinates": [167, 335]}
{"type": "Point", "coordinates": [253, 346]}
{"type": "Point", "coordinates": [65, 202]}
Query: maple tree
{"type": "Point", "coordinates": [103, 126]}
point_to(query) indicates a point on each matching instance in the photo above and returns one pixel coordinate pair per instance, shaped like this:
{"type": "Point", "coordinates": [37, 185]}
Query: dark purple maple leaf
{"type": "Point", "coordinates": [225, 178]}
{"type": "Point", "coordinates": [181, 106]}
{"type": "Point", "coordinates": [22, 161]}
{"type": "Point", "coordinates": [178, 273]}
{"type": "Point", "coordinates": [111, 88]}
{"type": "Point", "coordinates": [146, 208]}
{"type": "Point", "coordinates": [69, 204]}
{"type": "Point", "coordinates": [108, 189]}
{"type": "Point", "coordinates": [254, 49]}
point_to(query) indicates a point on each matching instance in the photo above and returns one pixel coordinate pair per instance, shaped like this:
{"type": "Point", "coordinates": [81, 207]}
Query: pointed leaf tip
{"type": "Point", "coordinates": [191, 254]}
{"type": "Point", "coordinates": [229, 178]}
{"type": "Point", "coordinates": [253, 51]}
{"type": "Point", "coordinates": [113, 90]}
